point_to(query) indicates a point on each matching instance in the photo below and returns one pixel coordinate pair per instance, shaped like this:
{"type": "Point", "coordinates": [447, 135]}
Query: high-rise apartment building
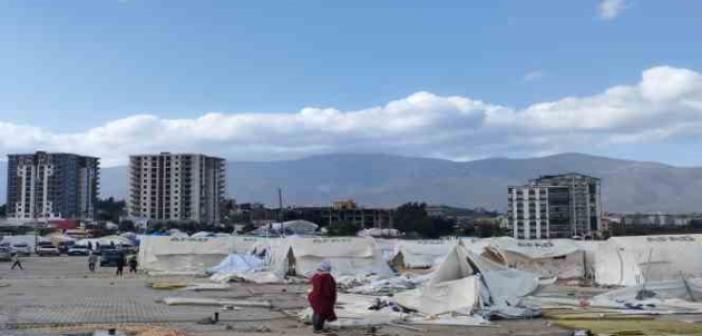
{"type": "Point", "coordinates": [557, 206]}
{"type": "Point", "coordinates": [43, 186]}
{"type": "Point", "coordinates": [176, 187]}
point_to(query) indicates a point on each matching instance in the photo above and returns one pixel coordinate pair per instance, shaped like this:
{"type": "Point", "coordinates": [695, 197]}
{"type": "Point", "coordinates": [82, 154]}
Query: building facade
{"type": "Point", "coordinates": [556, 206]}
{"type": "Point", "coordinates": [176, 187]}
{"type": "Point", "coordinates": [44, 186]}
{"type": "Point", "coordinates": [347, 211]}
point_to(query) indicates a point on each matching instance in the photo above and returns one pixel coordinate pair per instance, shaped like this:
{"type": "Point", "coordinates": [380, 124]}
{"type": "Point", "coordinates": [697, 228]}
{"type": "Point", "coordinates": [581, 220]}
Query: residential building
{"type": "Point", "coordinates": [176, 187]}
{"type": "Point", "coordinates": [556, 206]}
{"type": "Point", "coordinates": [45, 186]}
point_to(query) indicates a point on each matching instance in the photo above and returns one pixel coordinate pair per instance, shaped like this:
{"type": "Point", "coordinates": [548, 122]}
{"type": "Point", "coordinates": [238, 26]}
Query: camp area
{"type": "Point", "coordinates": [204, 284]}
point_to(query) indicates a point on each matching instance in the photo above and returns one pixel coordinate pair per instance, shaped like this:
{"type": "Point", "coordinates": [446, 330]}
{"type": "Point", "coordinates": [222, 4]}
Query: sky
{"type": "Point", "coordinates": [264, 80]}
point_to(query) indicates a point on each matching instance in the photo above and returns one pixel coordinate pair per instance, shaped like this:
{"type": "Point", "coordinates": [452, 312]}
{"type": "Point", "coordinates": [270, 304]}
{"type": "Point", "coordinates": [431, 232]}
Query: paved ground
{"type": "Point", "coordinates": [60, 291]}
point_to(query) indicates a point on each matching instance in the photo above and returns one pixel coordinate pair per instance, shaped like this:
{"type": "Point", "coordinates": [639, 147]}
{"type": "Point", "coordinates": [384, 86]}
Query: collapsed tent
{"type": "Point", "coordinates": [176, 255]}
{"type": "Point", "coordinates": [348, 256]}
{"type": "Point", "coordinates": [421, 253]}
{"type": "Point", "coordinates": [628, 261]}
{"type": "Point", "coordinates": [559, 258]}
{"type": "Point", "coordinates": [468, 282]}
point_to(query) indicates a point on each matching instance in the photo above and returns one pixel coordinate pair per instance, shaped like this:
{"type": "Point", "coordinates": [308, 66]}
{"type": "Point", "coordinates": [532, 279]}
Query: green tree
{"type": "Point", "coordinates": [412, 219]}
{"type": "Point", "coordinates": [343, 229]}
{"type": "Point", "coordinates": [127, 226]}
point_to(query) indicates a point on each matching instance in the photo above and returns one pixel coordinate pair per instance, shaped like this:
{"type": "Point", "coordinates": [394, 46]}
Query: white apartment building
{"type": "Point", "coordinates": [556, 206]}
{"type": "Point", "coordinates": [176, 187]}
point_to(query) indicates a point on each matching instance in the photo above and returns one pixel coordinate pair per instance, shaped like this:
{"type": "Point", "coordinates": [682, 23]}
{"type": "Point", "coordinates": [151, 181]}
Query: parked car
{"type": "Point", "coordinates": [78, 250]}
{"type": "Point", "coordinates": [5, 253]}
{"type": "Point", "coordinates": [109, 257]}
{"type": "Point", "coordinates": [20, 248]}
{"type": "Point", "coordinates": [47, 249]}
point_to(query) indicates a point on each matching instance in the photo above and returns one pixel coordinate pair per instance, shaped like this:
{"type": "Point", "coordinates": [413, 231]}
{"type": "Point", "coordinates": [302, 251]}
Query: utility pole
{"type": "Point", "coordinates": [280, 205]}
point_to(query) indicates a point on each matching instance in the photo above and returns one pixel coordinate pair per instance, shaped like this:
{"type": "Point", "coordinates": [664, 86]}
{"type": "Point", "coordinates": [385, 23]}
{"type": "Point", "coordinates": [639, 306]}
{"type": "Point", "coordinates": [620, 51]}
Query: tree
{"type": "Point", "coordinates": [127, 226]}
{"type": "Point", "coordinates": [343, 229]}
{"type": "Point", "coordinates": [413, 218]}
{"type": "Point", "coordinates": [110, 209]}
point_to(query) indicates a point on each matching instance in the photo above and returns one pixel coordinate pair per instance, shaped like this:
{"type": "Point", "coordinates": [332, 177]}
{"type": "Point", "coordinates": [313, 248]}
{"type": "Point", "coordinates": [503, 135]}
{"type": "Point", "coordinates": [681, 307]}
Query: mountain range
{"type": "Point", "coordinates": [387, 180]}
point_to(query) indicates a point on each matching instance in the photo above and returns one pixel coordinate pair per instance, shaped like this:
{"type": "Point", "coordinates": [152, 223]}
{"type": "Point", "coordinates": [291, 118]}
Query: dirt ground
{"type": "Point", "coordinates": [59, 296]}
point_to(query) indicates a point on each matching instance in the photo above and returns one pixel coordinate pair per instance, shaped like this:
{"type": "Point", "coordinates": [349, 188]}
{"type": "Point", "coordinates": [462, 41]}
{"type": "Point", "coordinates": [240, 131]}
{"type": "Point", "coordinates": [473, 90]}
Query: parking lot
{"type": "Point", "coordinates": [60, 292]}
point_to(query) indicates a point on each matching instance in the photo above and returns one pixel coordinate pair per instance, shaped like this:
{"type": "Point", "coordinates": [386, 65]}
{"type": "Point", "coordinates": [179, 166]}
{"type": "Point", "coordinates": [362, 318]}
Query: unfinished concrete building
{"type": "Point", "coordinates": [176, 187]}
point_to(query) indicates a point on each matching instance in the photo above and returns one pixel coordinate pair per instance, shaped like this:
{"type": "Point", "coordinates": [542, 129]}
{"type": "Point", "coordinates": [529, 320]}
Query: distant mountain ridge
{"type": "Point", "coordinates": [388, 180]}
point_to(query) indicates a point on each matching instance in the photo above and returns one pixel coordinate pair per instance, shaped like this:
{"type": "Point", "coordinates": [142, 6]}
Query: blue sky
{"type": "Point", "coordinates": [67, 70]}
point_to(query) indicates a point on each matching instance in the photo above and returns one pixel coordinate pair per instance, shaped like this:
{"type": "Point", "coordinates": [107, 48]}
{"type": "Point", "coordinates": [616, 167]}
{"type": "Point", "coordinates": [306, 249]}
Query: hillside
{"type": "Point", "coordinates": [386, 180]}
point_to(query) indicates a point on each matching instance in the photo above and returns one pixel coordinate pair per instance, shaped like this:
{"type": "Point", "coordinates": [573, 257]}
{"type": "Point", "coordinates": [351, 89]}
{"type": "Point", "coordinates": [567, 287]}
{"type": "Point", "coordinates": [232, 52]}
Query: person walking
{"type": "Point", "coordinates": [92, 260]}
{"type": "Point", "coordinates": [120, 264]}
{"type": "Point", "coordinates": [16, 262]}
{"type": "Point", "coordinates": [133, 264]}
{"type": "Point", "coordinates": [322, 297]}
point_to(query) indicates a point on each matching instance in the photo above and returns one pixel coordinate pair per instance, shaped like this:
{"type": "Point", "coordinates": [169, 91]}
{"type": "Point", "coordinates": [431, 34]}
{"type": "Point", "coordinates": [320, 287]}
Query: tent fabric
{"type": "Point", "coordinates": [687, 289]}
{"type": "Point", "coordinates": [348, 256]}
{"type": "Point", "coordinates": [490, 285]}
{"type": "Point", "coordinates": [442, 297]}
{"type": "Point", "coordinates": [497, 286]}
{"type": "Point", "coordinates": [421, 253]}
{"type": "Point", "coordinates": [559, 258]}
{"type": "Point", "coordinates": [629, 261]}
{"type": "Point", "coordinates": [237, 263]}
{"type": "Point", "coordinates": [182, 255]}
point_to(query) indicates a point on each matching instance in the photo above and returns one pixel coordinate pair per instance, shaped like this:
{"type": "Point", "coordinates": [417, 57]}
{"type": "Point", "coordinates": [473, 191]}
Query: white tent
{"type": "Point", "coordinates": [421, 253]}
{"type": "Point", "coordinates": [182, 255]}
{"type": "Point", "coordinates": [560, 258]}
{"type": "Point", "coordinates": [629, 261]}
{"type": "Point", "coordinates": [466, 282]}
{"type": "Point", "coordinates": [348, 256]}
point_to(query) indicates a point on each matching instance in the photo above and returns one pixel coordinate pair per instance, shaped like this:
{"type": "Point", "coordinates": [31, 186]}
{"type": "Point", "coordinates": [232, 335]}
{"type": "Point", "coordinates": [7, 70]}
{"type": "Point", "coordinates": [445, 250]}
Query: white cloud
{"type": "Point", "coordinates": [610, 9]}
{"type": "Point", "coordinates": [665, 104]}
{"type": "Point", "coordinates": [532, 76]}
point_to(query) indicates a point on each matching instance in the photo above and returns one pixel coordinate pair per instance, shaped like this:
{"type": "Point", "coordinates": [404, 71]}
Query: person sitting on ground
{"type": "Point", "coordinates": [322, 297]}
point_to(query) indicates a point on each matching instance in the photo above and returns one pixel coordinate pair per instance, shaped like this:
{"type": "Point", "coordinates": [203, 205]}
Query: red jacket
{"type": "Point", "coordinates": [323, 295]}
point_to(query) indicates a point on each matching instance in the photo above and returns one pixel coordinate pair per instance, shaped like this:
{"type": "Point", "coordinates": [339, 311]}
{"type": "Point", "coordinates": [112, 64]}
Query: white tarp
{"type": "Point", "coordinates": [182, 255]}
{"type": "Point", "coordinates": [629, 261]}
{"type": "Point", "coordinates": [421, 253]}
{"type": "Point", "coordinates": [560, 258]}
